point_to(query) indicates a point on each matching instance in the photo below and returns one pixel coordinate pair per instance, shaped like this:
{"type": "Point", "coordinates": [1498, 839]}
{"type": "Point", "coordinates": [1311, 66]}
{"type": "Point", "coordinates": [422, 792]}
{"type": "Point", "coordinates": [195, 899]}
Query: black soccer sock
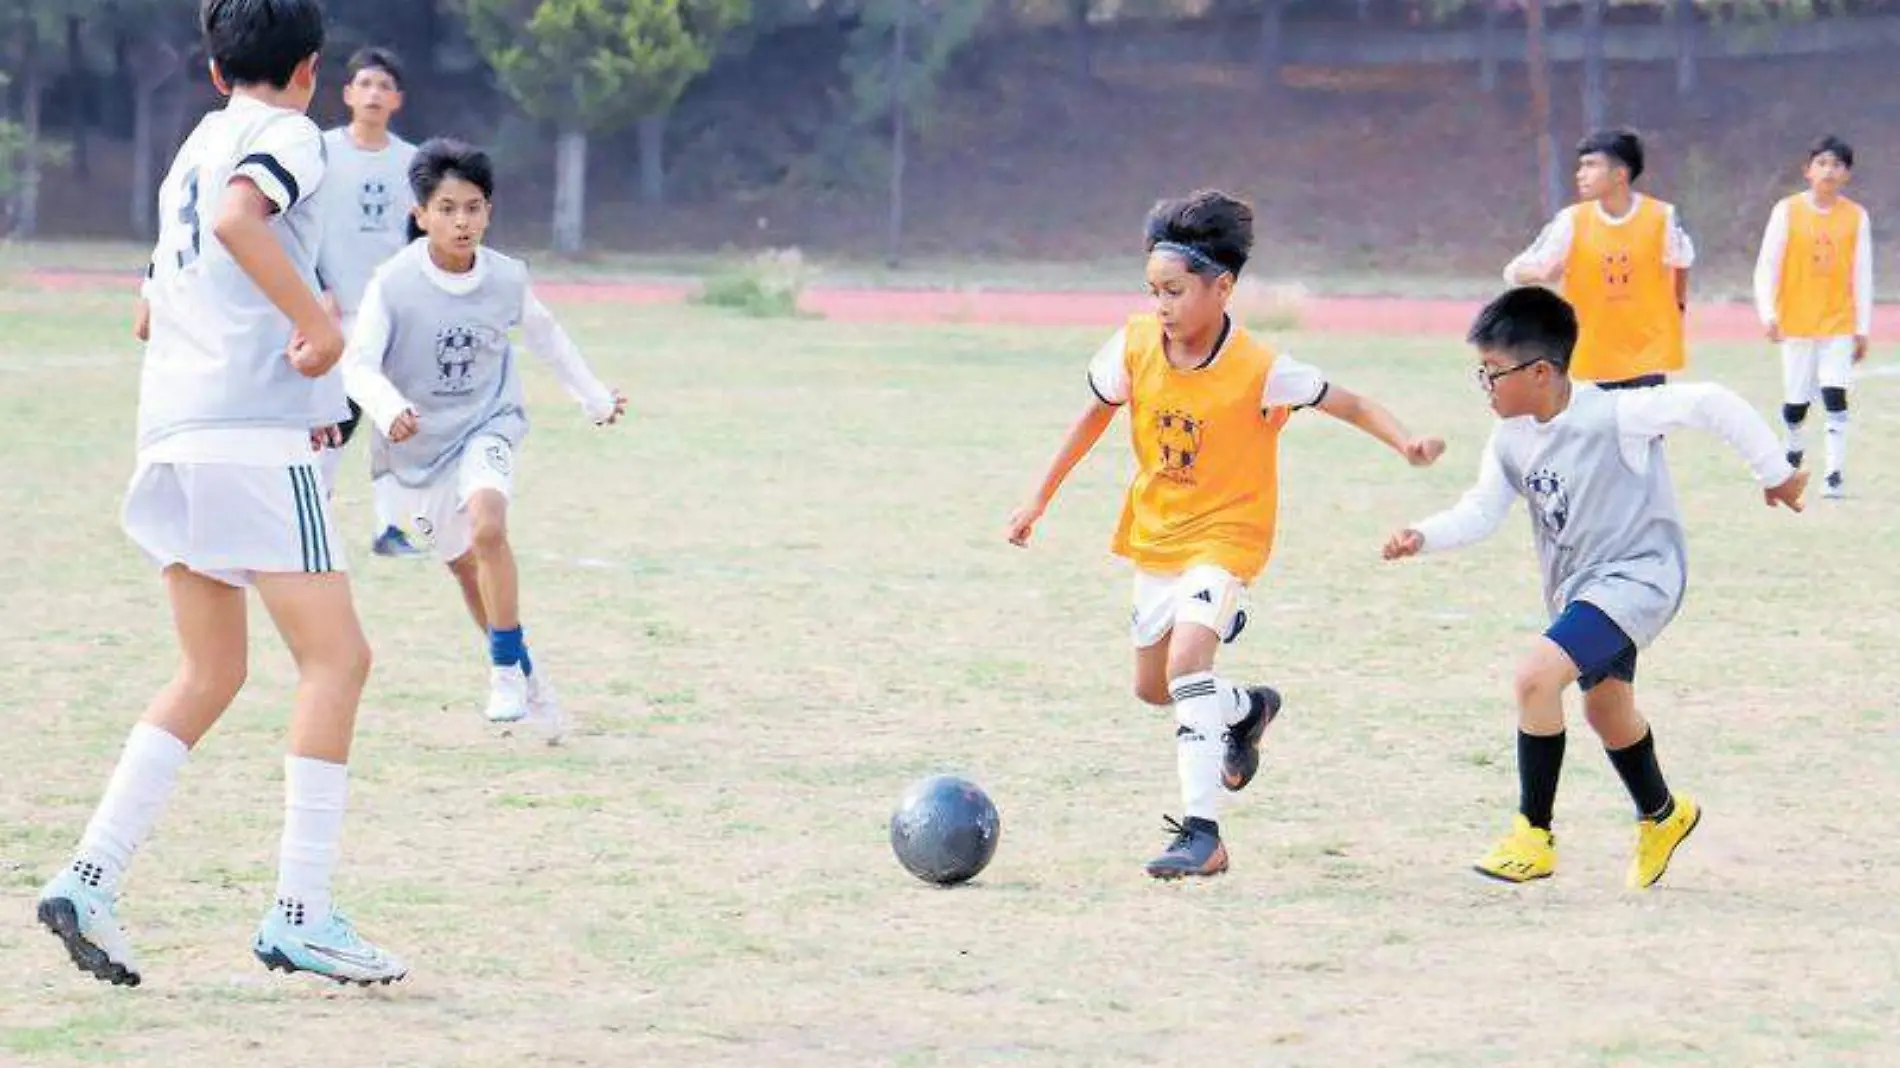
{"type": "Point", "coordinates": [1540, 759]}
{"type": "Point", "coordinates": [1636, 765]}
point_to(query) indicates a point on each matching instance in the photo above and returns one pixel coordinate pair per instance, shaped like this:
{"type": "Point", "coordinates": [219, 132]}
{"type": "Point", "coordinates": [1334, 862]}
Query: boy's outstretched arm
{"type": "Point", "coordinates": [1476, 515]}
{"type": "Point", "coordinates": [1081, 437]}
{"type": "Point", "coordinates": [1373, 418]}
{"type": "Point", "coordinates": [1652, 413]}
{"type": "Point", "coordinates": [545, 336]}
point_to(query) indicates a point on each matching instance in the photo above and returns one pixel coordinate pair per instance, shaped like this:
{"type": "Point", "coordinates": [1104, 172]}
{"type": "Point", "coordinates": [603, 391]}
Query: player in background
{"type": "Point", "coordinates": [431, 364]}
{"type": "Point", "coordinates": [1814, 290]}
{"type": "Point", "coordinates": [1622, 259]}
{"type": "Point", "coordinates": [365, 206]}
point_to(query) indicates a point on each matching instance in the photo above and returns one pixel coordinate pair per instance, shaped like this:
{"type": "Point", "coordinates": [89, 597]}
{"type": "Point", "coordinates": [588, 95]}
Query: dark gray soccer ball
{"type": "Point", "coordinates": [945, 830]}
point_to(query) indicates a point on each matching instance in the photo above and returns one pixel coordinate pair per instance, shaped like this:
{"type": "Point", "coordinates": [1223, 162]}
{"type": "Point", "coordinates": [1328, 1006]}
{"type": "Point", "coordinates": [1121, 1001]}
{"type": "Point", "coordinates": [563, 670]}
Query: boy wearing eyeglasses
{"type": "Point", "coordinates": [1589, 464]}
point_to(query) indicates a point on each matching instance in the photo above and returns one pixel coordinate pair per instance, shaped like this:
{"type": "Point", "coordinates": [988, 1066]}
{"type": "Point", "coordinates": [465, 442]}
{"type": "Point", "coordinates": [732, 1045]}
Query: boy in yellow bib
{"type": "Point", "coordinates": [1622, 260]}
{"type": "Point", "coordinates": [1814, 290]}
{"type": "Point", "coordinates": [1207, 402]}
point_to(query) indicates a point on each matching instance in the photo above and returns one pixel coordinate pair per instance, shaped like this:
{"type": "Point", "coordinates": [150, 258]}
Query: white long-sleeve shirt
{"type": "Point", "coordinates": [1642, 416]}
{"type": "Point", "coordinates": [365, 382]}
{"type": "Point", "coordinates": [1552, 248]}
{"type": "Point", "coordinates": [1603, 512]}
{"type": "Point", "coordinates": [1774, 250]}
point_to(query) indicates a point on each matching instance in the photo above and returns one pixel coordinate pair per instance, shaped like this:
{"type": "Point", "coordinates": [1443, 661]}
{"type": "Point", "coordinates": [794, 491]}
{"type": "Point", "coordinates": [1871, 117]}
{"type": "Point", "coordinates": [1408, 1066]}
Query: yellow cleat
{"type": "Point", "coordinates": [1657, 840]}
{"type": "Point", "coordinates": [1526, 853]}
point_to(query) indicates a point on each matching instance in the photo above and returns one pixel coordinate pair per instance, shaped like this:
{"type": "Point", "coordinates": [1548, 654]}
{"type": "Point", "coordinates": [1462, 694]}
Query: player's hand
{"type": "Point", "coordinates": [1788, 494]}
{"type": "Point", "coordinates": [326, 437]}
{"type": "Point", "coordinates": [1774, 332]}
{"type": "Point", "coordinates": [314, 356]}
{"type": "Point", "coordinates": [405, 426]}
{"type": "Point", "coordinates": [1423, 452]}
{"type": "Point", "coordinates": [620, 409]}
{"type": "Point", "coordinates": [1860, 347]}
{"type": "Point", "coordinates": [1022, 524]}
{"type": "Point", "coordinates": [1403, 544]}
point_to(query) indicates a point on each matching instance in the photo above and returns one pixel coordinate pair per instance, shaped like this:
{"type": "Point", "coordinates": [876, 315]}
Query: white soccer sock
{"type": "Point", "coordinates": [1836, 441]}
{"type": "Point", "coordinates": [1797, 439]}
{"type": "Point", "coordinates": [1200, 708]}
{"type": "Point", "coordinates": [314, 795]}
{"type": "Point", "coordinates": [135, 796]}
{"type": "Point", "coordinates": [383, 495]}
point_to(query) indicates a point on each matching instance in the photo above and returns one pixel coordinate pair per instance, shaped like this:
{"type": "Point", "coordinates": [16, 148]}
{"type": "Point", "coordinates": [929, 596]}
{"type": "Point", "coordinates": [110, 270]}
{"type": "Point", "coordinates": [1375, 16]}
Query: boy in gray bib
{"type": "Point", "coordinates": [431, 363]}
{"type": "Point", "coordinates": [1589, 463]}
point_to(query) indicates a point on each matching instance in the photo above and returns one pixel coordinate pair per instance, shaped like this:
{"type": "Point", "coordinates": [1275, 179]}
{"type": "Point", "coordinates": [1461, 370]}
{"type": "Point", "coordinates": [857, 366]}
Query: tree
{"type": "Point", "coordinates": [1595, 92]}
{"type": "Point", "coordinates": [158, 38]}
{"type": "Point", "coordinates": [1682, 15]}
{"type": "Point", "coordinates": [592, 66]}
{"type": "Point", "coordinates": [1537, 65]}
{"type": "Point", "coordinates": [895, 58]}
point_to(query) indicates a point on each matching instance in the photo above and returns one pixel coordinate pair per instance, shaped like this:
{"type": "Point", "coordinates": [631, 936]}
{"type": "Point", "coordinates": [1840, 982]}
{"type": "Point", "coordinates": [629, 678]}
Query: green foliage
{"type": "Point", "coordinates": [603, 63]}
{"type": "Point", "coordinates": [933, 32]}
{"type": "Point", "coordinates": [765, 287]}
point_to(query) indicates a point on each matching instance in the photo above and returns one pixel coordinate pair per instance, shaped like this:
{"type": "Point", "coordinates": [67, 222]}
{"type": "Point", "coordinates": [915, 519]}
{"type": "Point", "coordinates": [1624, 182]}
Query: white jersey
{"type": "Point", "coordinates": [365, 207]}
{"type": "Point", "coordinates": [217, 385]}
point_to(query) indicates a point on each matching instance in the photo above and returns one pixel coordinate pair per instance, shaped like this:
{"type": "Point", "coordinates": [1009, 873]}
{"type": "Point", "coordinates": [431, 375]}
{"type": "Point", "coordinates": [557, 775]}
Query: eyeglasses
{"type": "Point", "coordinates": [1488, 379]}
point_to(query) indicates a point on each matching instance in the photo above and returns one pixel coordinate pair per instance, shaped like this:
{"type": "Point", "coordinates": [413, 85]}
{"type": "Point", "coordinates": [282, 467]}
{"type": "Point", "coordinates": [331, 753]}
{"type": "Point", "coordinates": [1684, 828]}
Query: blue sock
{"type": "Point", "coordinates": [508, 647]}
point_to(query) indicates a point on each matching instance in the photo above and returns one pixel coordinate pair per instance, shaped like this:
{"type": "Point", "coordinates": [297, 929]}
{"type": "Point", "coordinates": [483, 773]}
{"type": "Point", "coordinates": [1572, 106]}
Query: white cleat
{"type": "Point", "coordinates": [507, 695]}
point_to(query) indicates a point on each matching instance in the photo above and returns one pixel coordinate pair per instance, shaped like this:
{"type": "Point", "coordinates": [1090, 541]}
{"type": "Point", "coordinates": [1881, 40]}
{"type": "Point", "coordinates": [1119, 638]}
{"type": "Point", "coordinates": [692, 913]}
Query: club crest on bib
{"type": "Point", "coordinates": [458, 349]}
{"type": "Point", "coordinates": [373, 203]}
{"type": "Point", "coordinates": [1617, 273]}
{"type": "Point", "coordinates": [1178, 436]}
{"type": "Point", "coordinates": [1822, 254]}
{"type": "Point", "coordinates": [1550, 502]}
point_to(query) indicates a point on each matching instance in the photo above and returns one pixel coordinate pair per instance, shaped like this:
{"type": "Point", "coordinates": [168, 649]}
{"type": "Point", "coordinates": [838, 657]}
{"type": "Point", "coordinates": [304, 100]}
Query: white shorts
{"type": "Point", "coordinates": [1811, 364]}
{"type": "Point", "coordinates": [230, 522]}
{"type": "Point", "coordinates": [1207, 595]}
{"type": "Point", "coordinates": [440, 509]}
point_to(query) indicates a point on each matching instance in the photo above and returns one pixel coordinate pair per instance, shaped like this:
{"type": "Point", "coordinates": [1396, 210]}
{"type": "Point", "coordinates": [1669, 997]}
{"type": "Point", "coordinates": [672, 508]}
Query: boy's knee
{"type": "Point", "coordinates": [1794, 414]}
{"type": "Point", "coordinates": [1834, 399]}
{"type": "Point", "coordinates": [1537, 681]}
{"type": "Point", "coordinates": [214, 684]}
{"type": "Point", "coordinates": [489, 533]}
{"type": "Point", "coordinates": [347, 661]}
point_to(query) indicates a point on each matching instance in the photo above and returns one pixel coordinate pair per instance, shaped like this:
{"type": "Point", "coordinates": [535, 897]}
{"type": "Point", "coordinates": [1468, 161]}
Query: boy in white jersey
{"type": "Point", "coordinates": [1814, 289]}
{"type": "Point", "coordinates": [226, 496]}
{"type": "Point", "coordinates": [1589, 463]}
{"type": "Point", "coordinates": [365, 206]}
{"type": "Point", "coordinates": [431, 364]}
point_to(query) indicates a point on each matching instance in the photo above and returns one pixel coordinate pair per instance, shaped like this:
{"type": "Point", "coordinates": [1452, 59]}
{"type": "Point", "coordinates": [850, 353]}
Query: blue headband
{"type": "Point", "coordinates": [1197, 258]}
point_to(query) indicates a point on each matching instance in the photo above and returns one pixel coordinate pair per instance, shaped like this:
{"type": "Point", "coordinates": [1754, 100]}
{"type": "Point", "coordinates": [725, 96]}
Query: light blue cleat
{"type": "Point", "coordinates": [331, 949]}
{"type": "Point", "coordinates": [75, 909]}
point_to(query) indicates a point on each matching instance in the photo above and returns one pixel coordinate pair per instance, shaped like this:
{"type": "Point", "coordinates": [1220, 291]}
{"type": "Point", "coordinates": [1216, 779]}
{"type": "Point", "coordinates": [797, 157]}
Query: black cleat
{"type": "Point", "coordinates": [1794, 458]}
{"type": "Point", "coordinates": [1241, 761]}
{"type": "Point", "coordinates": [61, 917]}
{"type": "Point", "coordinates": [1196, 850]}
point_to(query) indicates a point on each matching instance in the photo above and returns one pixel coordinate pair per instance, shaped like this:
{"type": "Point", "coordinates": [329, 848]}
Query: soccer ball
{"type": "Point", "coordinates": [945, 830]}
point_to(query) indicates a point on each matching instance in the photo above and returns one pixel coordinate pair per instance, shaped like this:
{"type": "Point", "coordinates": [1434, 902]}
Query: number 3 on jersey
{"type": "Point", "coordinates": [188, 217]}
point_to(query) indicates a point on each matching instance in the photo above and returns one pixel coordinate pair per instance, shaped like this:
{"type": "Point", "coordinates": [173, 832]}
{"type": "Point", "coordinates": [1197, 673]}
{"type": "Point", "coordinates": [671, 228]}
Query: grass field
{"type": "Point", "coordinates": [781, 592]}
